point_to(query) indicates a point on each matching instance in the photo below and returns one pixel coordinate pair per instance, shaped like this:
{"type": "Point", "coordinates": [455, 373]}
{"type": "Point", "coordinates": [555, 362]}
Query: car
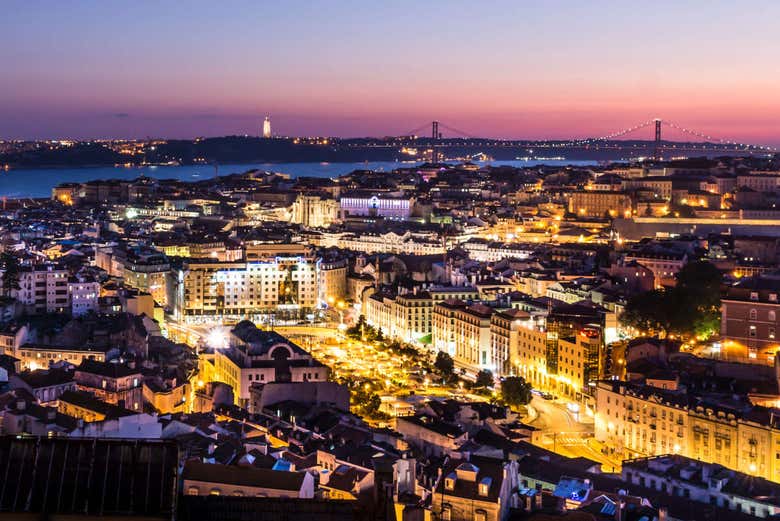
{"type": "Point", "coordinates": [548, 396]}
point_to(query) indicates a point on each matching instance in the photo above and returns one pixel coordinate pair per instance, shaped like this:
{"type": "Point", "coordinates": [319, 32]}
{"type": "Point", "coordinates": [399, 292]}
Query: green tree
{"type": "Point", "coordinates": [9, 263]}
{"type": "Point", "coordinates": [515, 391]}
{"type": "Point", "coordinates": [692, 307]}
{"type": "Point", "coordinates": [444, 364]}
{"type": "Point", "coordinates": [484, 379]}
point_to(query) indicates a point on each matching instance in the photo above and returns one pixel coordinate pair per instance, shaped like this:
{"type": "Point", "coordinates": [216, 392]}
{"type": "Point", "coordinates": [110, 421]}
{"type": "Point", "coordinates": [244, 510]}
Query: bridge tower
{"type": "Point", "coordinates": [657, 147]}
{"type": "Point", "coordinates": [435, 136]}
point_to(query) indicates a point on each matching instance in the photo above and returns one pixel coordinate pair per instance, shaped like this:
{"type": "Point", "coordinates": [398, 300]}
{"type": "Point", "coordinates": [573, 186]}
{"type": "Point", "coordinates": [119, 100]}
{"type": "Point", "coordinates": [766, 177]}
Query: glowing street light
{"type": "Point", "coordinates": [217, 338]}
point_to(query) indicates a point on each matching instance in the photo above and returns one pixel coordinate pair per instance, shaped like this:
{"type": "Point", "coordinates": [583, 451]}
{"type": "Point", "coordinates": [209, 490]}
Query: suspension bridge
{"type": "Point", "coordinates": [648, 135]}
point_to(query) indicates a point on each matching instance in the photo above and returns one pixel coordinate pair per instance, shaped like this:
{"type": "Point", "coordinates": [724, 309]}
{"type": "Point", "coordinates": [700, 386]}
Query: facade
{"type": "Point", "coordinates": [38, 356]}
{"type": "Point", "coordinates": [520, 343]}
{"type": "Point", "coordinates": [43, 289]}
{"type": "Point", "coordinates": [463, 332]}
{"type": "Point", "coordinates": [256, 356]}
{"type": "Point", "coordinates": [706, 483]}
{"type": "Point", "coordinates": [111, 383]}
{"type": "Point", "coordinates": [480, 489]}
{"type": "Point", "coordinates": [84, 295]}
{"type": "Point", "coordinates": [391, 207]}
{"type": "Point", "coordinates": [408, 316]}
{"type": "Point", "coordinates": [213, 479]}
{"type": "Point", "coordinates": [314, 211]}
{"type": "Point", "coordinates": [280, 283]}
{"type": "Point", "coordinates": [749, 319]}
{"type": "Point", "coordinates": [598, 204]}
{"type": "Point", "coordinates": [431, 435]}
{"type": "Point", "coordinates": [641, 421]}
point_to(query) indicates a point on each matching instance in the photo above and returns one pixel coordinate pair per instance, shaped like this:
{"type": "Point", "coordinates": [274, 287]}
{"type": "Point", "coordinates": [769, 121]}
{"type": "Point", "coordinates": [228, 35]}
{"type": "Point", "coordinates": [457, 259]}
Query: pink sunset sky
{"type": "Point", "coordinates": [507, 69]}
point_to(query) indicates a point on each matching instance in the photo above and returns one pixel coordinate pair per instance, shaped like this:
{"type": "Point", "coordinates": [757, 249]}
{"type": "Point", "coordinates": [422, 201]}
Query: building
{"type": "Point", "coordinates": [663, 263]}
{"type": "Point", "coordinates": [213, 479]}
{"type": "Point", "coordinates": [38, 356]}
{"type": "Point", "coordinates": [84, 406]}
{"type": "Point", "coordinates": [256, 356]}
{"type": "Point", "coordinates": [600, 204]}
{"type": "Point", "coordinates": [480, 489]}
{"type": "Point", "coordinates": [112, 383]}
{"type": "Point", "coordinates": [521, 343]}
{"type": "Point", "coordinates": [147, 271]}
{"type": "Point", "coordinates": [43, 289]}
{"type": "Point", "coordinates": [431, 435]}
{"type": "Point", "coordinates": [273, 281]}
{"type": "Point", "coordinates": [408, 316]}
{"type": "Point", "coordinates": [333, 281]}
{"type": "Point", "coordinates": [707, 483]}
{"type": "Point", "coordinates": [635, 420]}
{"type": "Point", "coordinates": [581, 361]}
{"type": "Point", "coordinates": [749, 319]}
{"type": "Point", "coordinates": [395, 207]}
{"type": "Point", "coordinates": [463, 331]}
{"type": "Point", "coordinates": [84, 293]}
{"type": "Point", "coordinates": [314, 210]}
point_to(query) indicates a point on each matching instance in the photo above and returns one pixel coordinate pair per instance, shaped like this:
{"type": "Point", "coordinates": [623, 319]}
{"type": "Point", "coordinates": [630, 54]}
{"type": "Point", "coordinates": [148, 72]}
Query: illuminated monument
{"type": "Point", "coordinates": [267, 127]}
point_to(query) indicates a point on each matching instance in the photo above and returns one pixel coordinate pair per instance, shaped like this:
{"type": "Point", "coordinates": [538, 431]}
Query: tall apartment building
{"type": "Point", "coordinates": [463, 331]}
{"type": "Point", "coordinates": [274, 279]}
{"type": "Point", "coordinates": [520, 343]}
{"type": "Point", "coordinates": [581, 361]}
{"type": "Point", "coordinates": [43, 289]}
{"type": "Point", "coordinates": [636, 420]}
{"type": "Point", "coordinates": [333, 281]}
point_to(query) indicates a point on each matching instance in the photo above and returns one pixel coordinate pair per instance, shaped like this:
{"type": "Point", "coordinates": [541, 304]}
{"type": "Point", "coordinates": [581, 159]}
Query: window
{"type": "Point", "coordinates": [446, 512]}
{"type": "Point", "coordinates": [753, 314]}
{"type": "Point", "coordinates": [480, 515]}
{"type": "Point", "coordinates": [753, 295]}
{"type": "Point", "coordinates": [752, 332]}
{"type": "Point", "coordinates": [192, 491]}
{"type": "Point", "coordinates": [771, 316]}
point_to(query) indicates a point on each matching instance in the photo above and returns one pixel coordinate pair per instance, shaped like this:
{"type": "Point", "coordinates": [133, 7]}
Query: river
{"type": "Point", "coordinates": [38, 182]}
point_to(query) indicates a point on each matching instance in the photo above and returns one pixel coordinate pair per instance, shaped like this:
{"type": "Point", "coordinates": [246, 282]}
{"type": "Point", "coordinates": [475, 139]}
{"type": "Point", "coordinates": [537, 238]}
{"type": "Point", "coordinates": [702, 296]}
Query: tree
{"type": "Point", "coordinates": [515, 391]}
{"type": "Point", "coordinates": [484, 379]}
{"type": "Point", "coordinates": [444, 364]}
{"type": "Point", "coordinates": [9, 263]}
{"type": "Point", "coordinates": [692, 307]}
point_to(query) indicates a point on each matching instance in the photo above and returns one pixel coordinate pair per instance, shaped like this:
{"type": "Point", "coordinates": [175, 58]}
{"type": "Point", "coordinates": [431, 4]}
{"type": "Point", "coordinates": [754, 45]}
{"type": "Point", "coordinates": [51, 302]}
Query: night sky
{"type": "Point", "coordinates": [513, 69]}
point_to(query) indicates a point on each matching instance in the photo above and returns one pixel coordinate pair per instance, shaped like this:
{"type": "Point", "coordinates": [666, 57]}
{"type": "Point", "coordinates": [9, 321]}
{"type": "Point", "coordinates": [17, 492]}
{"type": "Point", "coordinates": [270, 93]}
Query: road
{"type": "Point", "coordinates": [564, 435]}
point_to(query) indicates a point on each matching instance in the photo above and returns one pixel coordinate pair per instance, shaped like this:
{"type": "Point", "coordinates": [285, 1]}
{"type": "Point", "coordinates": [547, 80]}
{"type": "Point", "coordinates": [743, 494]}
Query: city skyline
{"type": "Point", "coordinates": [506, 71]}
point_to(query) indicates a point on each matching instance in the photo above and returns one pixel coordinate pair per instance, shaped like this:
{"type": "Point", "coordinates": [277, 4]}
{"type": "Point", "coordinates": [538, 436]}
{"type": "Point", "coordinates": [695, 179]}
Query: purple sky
{"type": "Point", "coordinates": [502, 69]}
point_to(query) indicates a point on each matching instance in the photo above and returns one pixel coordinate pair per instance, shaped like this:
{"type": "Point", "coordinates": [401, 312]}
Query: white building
{"type": "Point", "coordinates": [43, 289]}
{"type": "Point", "coordinates": [84, 295]}
{"type": "Point", "coordinates": [384, 205]}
